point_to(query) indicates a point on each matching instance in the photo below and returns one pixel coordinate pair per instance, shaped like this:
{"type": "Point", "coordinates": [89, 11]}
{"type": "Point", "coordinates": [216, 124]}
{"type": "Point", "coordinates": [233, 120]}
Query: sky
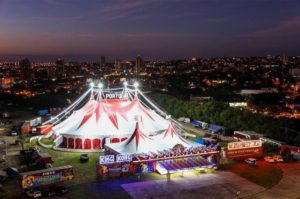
{"type": "Point", "coordinates": [154, 29]}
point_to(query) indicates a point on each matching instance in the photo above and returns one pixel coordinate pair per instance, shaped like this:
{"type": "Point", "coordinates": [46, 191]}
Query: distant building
{"type": "Point", "coordinates": [118, 66]}
{"type": "Point", "coordinates": [258, 91]}
{"type": "Point", "coordinates": [138, 64]}
{"type": "Point", "coordinates": [26, 71]}
{"type": "Point", "coordinates": [284, 59]}
{"type": "Point", "coordinates": [60, 68]}
{"type": "Point", "coordinates": [7, 82]}
{"type": "Point", "coordinates": [51, 73]}
{"type": "Point", "coordinates": [102, 61]}
{"type": "Point", "coordinates": [295, 72]}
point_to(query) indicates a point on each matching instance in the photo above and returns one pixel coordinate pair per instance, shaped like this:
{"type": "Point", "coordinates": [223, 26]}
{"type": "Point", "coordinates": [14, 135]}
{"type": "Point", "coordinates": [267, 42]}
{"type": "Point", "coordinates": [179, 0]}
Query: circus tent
{"type": "Point", "coordinates": [107, 120]}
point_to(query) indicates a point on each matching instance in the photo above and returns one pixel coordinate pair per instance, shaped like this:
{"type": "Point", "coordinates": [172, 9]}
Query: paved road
{"type": "Point", "coordinates": [288, 186]}
{"type": "Point", "coordinates": [206, 186]}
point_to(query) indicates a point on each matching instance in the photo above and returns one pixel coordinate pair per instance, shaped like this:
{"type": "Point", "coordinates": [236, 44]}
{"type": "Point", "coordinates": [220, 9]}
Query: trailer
{"type": "Point", "coordinates": [43, 112]}
{"type": "Point", "coordinates": [199, 124]}
{"type": "Point", "coordinates": [45, 178]}
{"type": "Point", "coordinates": [35, 122]}
{"type": "Point", "coordinates": [45, 129]}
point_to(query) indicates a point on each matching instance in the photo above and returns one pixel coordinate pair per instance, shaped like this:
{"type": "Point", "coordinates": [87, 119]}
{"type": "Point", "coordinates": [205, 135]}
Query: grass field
{"type": "Point", "coordinates": [264, 174]}
{"type": "Point", "coordinates": [47, 141]}
{"type": "Point", "coordinates": [83, 172]}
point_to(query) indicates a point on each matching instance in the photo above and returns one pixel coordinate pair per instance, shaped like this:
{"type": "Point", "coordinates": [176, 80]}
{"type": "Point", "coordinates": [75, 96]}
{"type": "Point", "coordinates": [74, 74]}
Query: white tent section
{"type": "Point", "coordinates": [140, 143]}
{"type": "Point", "coordinates": [69, 124]}
{"type": "Point", "coordinates": [137, 143]}
{"type": "Point", "coordinates": [171, 138]}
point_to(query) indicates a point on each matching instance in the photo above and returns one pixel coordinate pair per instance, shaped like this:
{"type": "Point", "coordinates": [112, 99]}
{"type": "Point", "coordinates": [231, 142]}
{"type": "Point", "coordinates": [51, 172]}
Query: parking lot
{"type": "Point", "coordinates": [216, 185]}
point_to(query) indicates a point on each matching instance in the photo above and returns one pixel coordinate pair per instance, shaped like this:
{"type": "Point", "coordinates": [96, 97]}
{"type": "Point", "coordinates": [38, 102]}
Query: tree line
{"type": "Point", "coordinates": [220, 113]}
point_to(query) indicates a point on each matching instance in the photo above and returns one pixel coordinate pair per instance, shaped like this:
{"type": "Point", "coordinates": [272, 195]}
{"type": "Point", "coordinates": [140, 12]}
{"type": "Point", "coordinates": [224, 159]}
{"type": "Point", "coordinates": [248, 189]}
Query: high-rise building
{"type": "Point", "coordinates": [284, 59]}
{"type": "Point", "coordinates": [138, 64]}
{"type": "Point", "coordinates": [118, 66]}
{"type": "Point", "coordinates": [60, 68]}
{"type": "Point", "coordinates": [102, 61]}
{"type": "Point", "coordinates": [51, 72]}
{"type": "Point", "coordinates": [26, 71]}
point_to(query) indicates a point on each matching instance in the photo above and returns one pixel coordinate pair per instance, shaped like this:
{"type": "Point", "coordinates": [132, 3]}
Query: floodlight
{"type": "Point", "coordinates": [136, 84]}
{"type": "Point", "coordinates": [100, 85]}
{"type": "Point", "coordinates": [92, 84]}
{"type": "Point", "coordinates": [125, 83]}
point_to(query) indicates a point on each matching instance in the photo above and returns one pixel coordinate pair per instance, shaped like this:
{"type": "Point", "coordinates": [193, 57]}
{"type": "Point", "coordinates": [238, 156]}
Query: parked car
{"type": "Point", "coordinates": [34, 193]}
{"type": "Point", "coordinates": [48, 192]}
{"type": "Point", "coordinates": [61, 189]}
{"type": "Point", "coordinates": [278, 158]}
{"type": "Point", "coordinates": [251, 161]}
{"type": "Point", "coordinates": [269, 159]}
{"type": "Point", "coordinates": [13, 133]}
{"type": "Point", "coordinates": [11, 171]}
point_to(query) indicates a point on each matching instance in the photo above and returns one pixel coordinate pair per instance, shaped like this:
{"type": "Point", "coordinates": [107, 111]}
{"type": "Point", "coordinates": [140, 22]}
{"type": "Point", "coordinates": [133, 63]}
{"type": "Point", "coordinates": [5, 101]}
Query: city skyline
{"type": "Point", "coordinates": [162, 30]}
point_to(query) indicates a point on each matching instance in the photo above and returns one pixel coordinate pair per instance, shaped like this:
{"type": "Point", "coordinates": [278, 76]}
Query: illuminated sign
{"type": "Point", "coordinates": [244, 153]}
{"type": "Point", "coordinates": [119, 95]}
{"type": "Point", "coordinates": [123, 158]}
{"type": "Point", "coordinates": [107, 159]}
{"type": "Point", "coordinates": [244, 144]}
{"type": "Point", "coordinates": [238, 104]}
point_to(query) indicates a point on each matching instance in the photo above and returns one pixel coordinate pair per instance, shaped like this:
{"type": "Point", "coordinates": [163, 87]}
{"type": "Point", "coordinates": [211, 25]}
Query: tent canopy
{"type": "Point", "coordinates": [111, 118]}
{"type": "Point", "coordinates": [140, 143]}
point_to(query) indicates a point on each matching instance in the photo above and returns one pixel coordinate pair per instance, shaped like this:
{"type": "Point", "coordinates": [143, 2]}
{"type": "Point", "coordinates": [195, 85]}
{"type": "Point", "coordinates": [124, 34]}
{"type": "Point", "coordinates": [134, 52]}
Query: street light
{"type": "Point", "coordinates": [136, 84]}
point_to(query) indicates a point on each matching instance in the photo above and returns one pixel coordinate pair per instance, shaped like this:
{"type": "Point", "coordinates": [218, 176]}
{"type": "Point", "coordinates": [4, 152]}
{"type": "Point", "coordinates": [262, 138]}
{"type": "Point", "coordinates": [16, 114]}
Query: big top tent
{"type": "Point", "coordinates": [102, 120]}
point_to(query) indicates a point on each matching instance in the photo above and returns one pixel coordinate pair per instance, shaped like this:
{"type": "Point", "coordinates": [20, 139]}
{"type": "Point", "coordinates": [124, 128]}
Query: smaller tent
{"type": "Point", "coordinates": [140, 143]}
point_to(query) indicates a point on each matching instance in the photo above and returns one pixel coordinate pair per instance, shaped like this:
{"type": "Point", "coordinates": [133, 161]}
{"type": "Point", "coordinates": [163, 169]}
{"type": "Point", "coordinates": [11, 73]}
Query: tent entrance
{"type": "Point", "coordinates": [174, 165]}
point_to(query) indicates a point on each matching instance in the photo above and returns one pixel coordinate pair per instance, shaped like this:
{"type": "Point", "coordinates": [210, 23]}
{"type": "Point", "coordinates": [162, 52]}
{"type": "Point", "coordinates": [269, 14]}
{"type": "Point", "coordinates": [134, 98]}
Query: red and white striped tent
{"type": "Point", "coordinates": [141, 143]}
{"type": "Point", "coordinates": [111, 121]}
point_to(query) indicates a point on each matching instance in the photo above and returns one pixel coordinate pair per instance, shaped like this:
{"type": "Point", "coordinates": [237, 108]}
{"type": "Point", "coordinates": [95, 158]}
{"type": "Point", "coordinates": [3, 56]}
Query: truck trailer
{"type": "Point", "coordinates": [45, 178]}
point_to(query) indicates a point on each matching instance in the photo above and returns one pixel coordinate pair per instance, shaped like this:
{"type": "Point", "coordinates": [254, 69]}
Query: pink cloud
{"type": "Point", "coordinates": [124, 5]}
{"type": "Point", "coordinates": [284, 29]}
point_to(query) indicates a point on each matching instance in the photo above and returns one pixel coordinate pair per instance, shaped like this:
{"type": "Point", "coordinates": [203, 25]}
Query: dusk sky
{"type": "Point", "coordinates": [151, 28]}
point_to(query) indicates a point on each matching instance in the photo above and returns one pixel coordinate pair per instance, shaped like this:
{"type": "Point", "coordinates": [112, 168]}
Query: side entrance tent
{"type": "Point", "coordinates": [140, 143]}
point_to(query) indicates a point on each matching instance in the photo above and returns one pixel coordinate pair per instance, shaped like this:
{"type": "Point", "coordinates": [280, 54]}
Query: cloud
{"type": "Point", "coordinates": [123, 9]}
{"type": "Point", "coordinates": [287, 28]}
{"type": "Point", "coordinates": [123, 6]}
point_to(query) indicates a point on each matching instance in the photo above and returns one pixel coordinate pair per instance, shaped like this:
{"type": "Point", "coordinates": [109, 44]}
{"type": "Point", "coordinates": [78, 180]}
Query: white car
{"type": "Point", "coordinates": [34, 193]}
{"type": "Point", "coordinates": [269, 159]}
{"type": "Point", "coordinates": [251, 161]}
{"type": "Point", "coordinates": [278, 158]}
